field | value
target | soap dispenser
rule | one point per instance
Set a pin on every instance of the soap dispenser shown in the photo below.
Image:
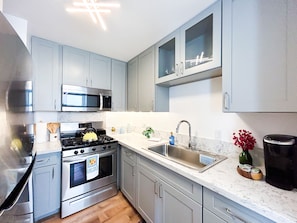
(171, 139)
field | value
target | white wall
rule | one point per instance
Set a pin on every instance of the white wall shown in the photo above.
(201, 104)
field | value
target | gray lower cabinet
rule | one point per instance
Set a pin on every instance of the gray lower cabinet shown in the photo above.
(159, 201)
(217, 208)
(128, 174)
(159, 194)
(46, 185)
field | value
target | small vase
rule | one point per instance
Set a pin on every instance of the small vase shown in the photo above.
(245, 157)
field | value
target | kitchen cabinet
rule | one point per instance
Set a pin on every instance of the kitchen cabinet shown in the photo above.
(132, 83)
(119, 85)
(100, 71)
(83, 68)
(163, 196)
(128, 174)
(46, 185)
(47, 75)
(259, 56)
(192, 52)
(143, 94)
(217, 208)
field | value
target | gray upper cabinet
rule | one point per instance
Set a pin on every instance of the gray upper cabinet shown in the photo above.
(259, 56)
(119, 85)
(132, 83)
(76, 66)
(47, 72)
(100, 71)
(143, 94)
(146, 80)
(193, 52)
(83, 68)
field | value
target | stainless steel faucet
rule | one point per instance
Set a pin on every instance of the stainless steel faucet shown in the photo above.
(177, 128)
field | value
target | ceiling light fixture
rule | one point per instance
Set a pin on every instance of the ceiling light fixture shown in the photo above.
(94, 9)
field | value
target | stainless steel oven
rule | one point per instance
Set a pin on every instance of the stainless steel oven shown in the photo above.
(89, 170)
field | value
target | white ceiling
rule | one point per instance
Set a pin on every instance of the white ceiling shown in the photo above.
(135, 26)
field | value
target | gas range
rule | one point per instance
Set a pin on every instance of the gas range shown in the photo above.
(89, 166)
(72, 139)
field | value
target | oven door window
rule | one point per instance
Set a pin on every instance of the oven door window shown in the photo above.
(78, 174)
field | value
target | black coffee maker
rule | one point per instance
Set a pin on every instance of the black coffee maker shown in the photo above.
(280, 153)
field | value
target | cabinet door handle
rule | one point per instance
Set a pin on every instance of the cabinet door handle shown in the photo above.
(161, 191)
(226, 101)
(53, 173)
(55, 104)
(234, 216)
(181, 68)
(156, 187)
(176, 70)
(133, 170)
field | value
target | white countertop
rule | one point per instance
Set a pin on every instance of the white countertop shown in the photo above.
(47, 147)
(276, 204)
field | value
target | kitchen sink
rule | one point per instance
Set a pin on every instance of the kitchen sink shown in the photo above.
(199, 160)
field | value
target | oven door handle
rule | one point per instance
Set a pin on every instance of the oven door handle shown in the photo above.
(82, 158)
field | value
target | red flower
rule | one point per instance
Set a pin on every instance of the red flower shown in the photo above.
(244, 140)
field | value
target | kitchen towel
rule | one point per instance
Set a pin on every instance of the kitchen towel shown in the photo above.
(92, 165)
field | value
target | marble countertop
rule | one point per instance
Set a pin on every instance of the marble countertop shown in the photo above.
(47, 147)
(276, 204)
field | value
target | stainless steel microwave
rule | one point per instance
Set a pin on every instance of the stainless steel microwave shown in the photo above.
(77, 98)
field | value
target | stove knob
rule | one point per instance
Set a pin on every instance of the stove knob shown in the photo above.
(94, 149)
(104, 147)
(82, 151)
(75, 152)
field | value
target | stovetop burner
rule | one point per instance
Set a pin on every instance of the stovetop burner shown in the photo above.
(77, 142)
(71, 135)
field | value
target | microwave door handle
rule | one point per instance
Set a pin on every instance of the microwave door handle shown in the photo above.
(101, 102)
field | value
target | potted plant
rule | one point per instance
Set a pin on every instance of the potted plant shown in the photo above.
(246, 142)
(147, 132)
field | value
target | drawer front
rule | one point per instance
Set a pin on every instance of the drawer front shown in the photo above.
(187, 187)
(229, 210)
(47, 159)
(127, 154)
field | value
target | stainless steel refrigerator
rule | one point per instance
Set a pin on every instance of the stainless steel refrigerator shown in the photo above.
(16, 127)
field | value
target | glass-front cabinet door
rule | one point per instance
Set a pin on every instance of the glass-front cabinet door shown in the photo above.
(167, 58)
(193, 48)
(201, 41)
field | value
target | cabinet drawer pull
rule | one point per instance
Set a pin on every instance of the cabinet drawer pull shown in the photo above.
(234, 216)
(156, 187)
(160, 191)
(43, 161)
(53, 173)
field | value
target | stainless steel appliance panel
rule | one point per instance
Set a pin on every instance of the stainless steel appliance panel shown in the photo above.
(78, 98)
(15, 117)
(70, 191)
